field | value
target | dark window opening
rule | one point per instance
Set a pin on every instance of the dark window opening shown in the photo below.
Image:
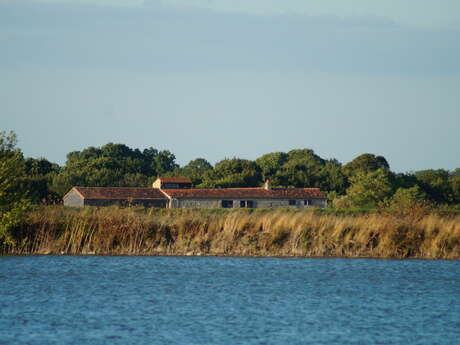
(247, 204)
(227, 203)
(170, 186)
(307, 202)
(292, 203)
(176, 185)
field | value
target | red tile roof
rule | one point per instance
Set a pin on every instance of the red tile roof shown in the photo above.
(120, 193)
(246, 193)
(175, 180)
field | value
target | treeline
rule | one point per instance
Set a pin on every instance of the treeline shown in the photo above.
(365, 182)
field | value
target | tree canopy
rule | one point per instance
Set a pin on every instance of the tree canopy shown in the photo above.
(113, 165)
(13, 196)
(233, 172)
(435, 183)
(365, 181)
(367, 190)
(365, 163)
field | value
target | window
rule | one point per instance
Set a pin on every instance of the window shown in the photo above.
(292, 203)
(247, 204)
(306, 202)
(227, 203)
(170, 186)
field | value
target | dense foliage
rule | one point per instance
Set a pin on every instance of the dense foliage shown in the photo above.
(112, 165)
(365, 182)
(13, 196)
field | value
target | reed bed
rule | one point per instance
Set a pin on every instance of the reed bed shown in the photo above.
(284, 233)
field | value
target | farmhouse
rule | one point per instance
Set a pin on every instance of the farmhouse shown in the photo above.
(106, 196)
(178, 193)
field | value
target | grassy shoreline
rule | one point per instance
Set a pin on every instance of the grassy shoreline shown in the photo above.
(243, 233)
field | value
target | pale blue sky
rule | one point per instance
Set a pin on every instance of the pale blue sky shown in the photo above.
(225, 78)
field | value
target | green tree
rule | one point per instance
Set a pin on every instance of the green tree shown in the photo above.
(112, 165)
(435, 183)
(302, 169)
(13, 198)
(408, 202)
(405, 197)
(40, 166)
(365, 163)
(455, 189)
(164, 162)
(367, 190)
(159, 162)
(405, 180)
(233, 172)
(455, 173)
(271, 165)
(196, 170)
(39, 174)
(332, 179)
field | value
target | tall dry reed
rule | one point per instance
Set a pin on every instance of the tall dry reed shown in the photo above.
(131, 231)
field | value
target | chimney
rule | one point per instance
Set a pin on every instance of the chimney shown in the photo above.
(267, 184)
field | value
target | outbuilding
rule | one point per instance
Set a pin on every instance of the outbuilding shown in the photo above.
(122, 196)
(178, 193)
(246, 198)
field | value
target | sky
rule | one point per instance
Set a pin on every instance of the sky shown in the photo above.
(222, 78)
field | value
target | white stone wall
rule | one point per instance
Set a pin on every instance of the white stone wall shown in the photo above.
(73, 199)
(275, 203)
(258, 203)
(322, 203)
(198, 203)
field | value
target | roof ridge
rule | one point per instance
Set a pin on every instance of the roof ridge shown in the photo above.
(117, 187)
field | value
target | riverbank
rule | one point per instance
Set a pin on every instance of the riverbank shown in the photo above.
(283, 233)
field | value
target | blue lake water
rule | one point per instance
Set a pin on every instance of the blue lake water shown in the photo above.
(198, 300)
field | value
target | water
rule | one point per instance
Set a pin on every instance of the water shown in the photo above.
(169, 300)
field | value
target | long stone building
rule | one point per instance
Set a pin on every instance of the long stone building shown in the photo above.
(178, 193)
(107, 196)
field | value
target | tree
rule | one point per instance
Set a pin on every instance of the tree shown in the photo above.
(164, 162)
(159, 162)
(112, 165)
(365, 163)
(408, 202)
(233, 172)
(367, 190)
(455, 189)
(196, 170)
(40, 166)
(302, 169)
(13, 199)
(271, 165)
(331, 178)
(405, 180)
(455, 173)
(405, 197)
(11, 169)
(435, 183)
(39, 174)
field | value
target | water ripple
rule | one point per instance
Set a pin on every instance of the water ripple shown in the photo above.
(158, 300)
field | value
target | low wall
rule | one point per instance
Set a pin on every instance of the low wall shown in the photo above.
(257, 203)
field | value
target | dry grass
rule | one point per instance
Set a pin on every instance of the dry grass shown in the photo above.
(112, 231)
